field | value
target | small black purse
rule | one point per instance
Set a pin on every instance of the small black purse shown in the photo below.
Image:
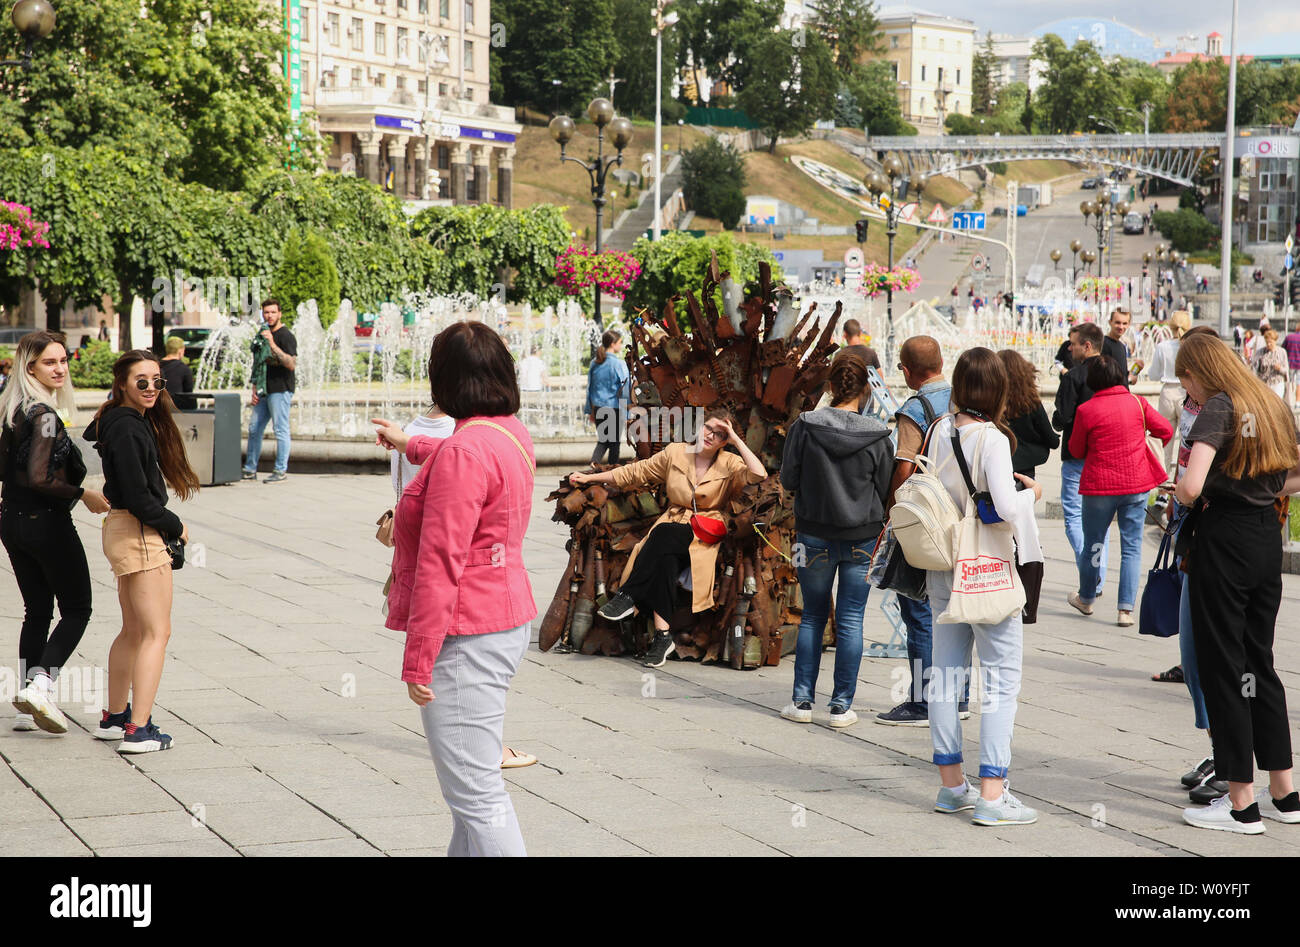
(176, 548)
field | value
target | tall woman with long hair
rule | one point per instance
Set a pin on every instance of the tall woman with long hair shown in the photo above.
(1026, 417)
(607, 391)
(979, 399)
(1243, 458)
(42, 472)
(143, 455)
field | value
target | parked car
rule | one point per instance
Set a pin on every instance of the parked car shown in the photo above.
(1133, 222)
(194, 337)
(11, 335)
(1089, 184)
(999, 211)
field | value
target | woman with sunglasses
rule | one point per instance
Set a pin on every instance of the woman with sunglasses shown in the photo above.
(699, 478)
(142, 453)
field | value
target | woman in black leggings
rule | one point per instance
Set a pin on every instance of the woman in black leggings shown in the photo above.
(42, 472)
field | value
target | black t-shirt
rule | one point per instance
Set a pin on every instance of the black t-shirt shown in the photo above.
(279, 378)
(179, 381)
(1116, 350)
(866, 352)
(1216, 426)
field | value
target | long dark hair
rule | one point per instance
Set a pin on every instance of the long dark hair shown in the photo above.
(979, 382)
(1022, 383)
(176, 469)
(609, 338)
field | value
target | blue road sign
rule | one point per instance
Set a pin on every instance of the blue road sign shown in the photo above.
(968, 220)
(1289, 262)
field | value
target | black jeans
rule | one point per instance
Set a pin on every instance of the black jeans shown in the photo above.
(1235, 588)
(609, 433)
(653, 582)
(49, 563)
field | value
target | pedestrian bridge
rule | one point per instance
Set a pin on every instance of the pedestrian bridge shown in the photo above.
(1172, 157)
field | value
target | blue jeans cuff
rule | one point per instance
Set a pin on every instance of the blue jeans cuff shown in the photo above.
(992, 772)
(947, 759)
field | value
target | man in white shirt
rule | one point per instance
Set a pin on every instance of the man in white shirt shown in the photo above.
(532, 372)
(1161, 369)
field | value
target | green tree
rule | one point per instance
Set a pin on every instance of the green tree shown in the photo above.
(876, 93)
(1198, 98)
(556, 39)
(635, 64)
(850, 29)
(794, 89)
(984, 66)
(1186, 229)
(1027, 114)
(307, 271)
(678, 262)
(1077, 83)
(721, 37)
(713, 181)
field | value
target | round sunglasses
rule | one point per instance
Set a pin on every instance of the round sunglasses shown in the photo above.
(159, 384)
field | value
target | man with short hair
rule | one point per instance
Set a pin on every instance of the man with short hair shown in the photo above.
(532, 373)
(1085, 344)
(281, 363)
(921, 362)
(853, 343)
(1113, 344)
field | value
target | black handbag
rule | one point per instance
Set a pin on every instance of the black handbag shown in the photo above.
(1158, 616)
(176, 548)
(889, 569)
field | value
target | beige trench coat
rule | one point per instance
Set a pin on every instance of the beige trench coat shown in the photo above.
(674, 467)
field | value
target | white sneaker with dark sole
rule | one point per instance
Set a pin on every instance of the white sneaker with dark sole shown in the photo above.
(1271, 810)
(1219, 815)
(146, 739)
(35, 701)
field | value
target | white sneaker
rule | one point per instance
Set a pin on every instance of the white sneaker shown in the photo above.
(33, 699)
(1269, 810)
(846, 719)
(1005, 811)
(1218, 815)
(24, 723)
(956, 800)
(794, 712)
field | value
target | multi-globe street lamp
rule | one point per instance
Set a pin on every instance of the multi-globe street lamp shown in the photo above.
(1056, 259)
(601, 113)
(1075, 247)
(1104, 209)
(889, 192)
(34, 19)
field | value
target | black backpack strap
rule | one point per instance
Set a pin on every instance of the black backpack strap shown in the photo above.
(961, 461)
(926, 409)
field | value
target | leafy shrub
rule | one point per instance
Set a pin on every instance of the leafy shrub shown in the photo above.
(95, 367)
(713, 181)
(1185, 229)
(678, 262)
(307, 271)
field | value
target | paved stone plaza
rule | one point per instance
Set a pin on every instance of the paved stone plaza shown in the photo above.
(294, 735)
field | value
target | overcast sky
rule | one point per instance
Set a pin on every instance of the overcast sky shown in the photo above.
(1263, 26)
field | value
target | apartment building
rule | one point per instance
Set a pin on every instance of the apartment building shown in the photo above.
(931, 57)
(402, 88)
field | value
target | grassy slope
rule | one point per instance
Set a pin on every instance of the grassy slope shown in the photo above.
(1036, 170)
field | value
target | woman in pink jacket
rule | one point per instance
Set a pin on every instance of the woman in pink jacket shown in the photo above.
(460, 590)
(1119, 471)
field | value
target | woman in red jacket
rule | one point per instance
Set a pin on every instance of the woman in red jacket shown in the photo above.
(1119, 471)
(460, 590)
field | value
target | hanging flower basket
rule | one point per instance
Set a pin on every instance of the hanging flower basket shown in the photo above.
(18, 229)
(877, 279)
(1107, 288)
(579, 268)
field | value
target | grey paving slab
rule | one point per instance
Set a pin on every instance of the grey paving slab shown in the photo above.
(295, 735)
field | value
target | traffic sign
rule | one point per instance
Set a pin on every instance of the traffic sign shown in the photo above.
(1288, 262)
(937, 216)
(853, 257)
(978, 263)
(968, 220)
(1290, 242)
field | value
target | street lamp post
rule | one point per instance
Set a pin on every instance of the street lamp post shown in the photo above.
(657, 31)
(601, 113)
(887, 192)
(34, 19)
(1056, 260)
(1075, 247)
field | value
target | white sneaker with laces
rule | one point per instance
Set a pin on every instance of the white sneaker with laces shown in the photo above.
(1005, 811)
(1218, 815)
(35, 699)
(798, 715)
(24, 723)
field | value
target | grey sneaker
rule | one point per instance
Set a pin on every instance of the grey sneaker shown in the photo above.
(1006, 811)
(276, 477)
(248, 475)
(955, 800)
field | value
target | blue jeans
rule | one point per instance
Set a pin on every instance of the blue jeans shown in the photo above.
(1187, 651)
(1072, 508)
(274, 408)
(824, 559)
(1129, 509)
(1001, 651)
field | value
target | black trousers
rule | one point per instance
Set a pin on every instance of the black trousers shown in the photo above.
(653, 582)
(49, 563)
(609, 434)
(1235, 588)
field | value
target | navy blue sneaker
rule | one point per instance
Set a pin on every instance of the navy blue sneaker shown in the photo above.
(906, 714)
(146, 739)
(112, 726)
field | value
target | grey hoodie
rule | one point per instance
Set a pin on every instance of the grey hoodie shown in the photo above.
(838, 464)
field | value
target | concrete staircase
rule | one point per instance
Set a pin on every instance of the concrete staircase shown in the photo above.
(634, 222)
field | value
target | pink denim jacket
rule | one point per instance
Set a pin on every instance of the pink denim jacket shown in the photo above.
(458, 565)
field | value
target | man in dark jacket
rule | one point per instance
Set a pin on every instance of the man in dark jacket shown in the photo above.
(1085, 343)
(1113, 344)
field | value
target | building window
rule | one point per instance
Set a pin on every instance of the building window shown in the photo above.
(923, 73)
(400, 83)
(381, 40)
(923, 42)
(469, 12)
(442, 88)
(422, 86)
(444, 186)
(332, 25)
(380, 80)
(920, 109)
(893, 71)
(401, 4)
(471, 183)
(444, 9)
(469, 57)
(941, 42)
(444, 157)
(940, 78)
(403, 43)
(423, 7)
(358, 33)
(422, 47)
(893, 42)
(305, 19)
(356, 77)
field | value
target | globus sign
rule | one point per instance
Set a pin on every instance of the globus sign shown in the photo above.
(1274, 146)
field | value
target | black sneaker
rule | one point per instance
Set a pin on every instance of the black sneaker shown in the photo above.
(1204, 770)
(112, 726)
(906, 714)
(618, 607)
(146, 739)
(248, 475)
(1208, 791)
(660, 648)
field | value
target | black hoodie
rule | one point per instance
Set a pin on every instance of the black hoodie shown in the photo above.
(132, 478)
(839, 464)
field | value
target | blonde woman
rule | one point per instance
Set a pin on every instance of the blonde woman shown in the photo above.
(42, 472)
(1243, 457)
(1270, 364)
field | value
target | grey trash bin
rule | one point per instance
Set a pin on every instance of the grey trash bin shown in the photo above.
(211, 432)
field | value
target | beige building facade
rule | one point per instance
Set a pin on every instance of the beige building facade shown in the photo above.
(402, 89)
(931, 57)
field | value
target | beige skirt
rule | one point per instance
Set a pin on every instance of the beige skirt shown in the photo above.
(130, 546)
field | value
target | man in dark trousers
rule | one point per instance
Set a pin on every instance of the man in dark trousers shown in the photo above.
(274, 406)
(1085, 344)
